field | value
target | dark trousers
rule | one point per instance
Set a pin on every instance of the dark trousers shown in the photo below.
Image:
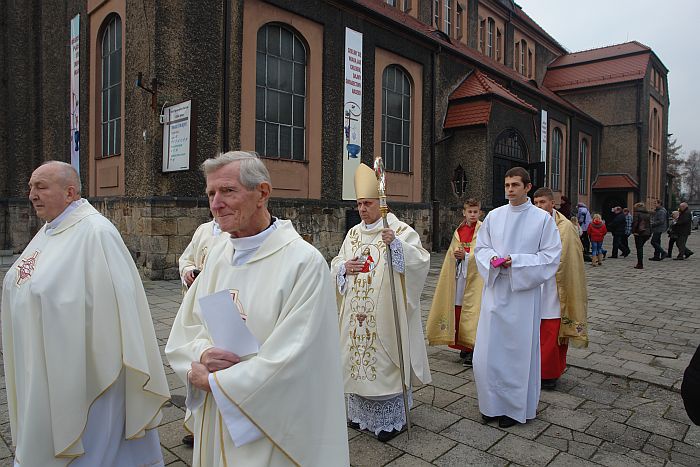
(586, 242)
(656, 243)
(671, 242)
(619, 243)
(683, 251)
(625, 241)
(639, 242)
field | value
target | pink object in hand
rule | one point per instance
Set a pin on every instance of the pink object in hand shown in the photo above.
(497, 262)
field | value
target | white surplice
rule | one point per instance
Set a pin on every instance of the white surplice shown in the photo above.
(85, 381)
(291, 392)
(507, 351)
(202, 242)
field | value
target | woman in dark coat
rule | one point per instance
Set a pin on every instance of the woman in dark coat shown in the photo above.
(565, 207)
(641, 229)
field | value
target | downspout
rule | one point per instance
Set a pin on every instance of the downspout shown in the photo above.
(433, 173)
(226, 63)
(640, 127)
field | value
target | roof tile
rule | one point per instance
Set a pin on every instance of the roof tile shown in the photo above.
(612, 181)
(468, 114)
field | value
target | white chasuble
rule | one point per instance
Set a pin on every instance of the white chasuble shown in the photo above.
(291, 390)
(203, 239)
(80, 352)
(368, 342)
(507, 351)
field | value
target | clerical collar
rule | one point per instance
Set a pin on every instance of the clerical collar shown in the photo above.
(245, 247)
(521, 207)
(373, 225)
(53, 225)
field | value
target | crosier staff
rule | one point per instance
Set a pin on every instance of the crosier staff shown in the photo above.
(384, 209)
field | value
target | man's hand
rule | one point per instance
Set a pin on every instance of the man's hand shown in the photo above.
(353, 266)
(199, 377)
(508, 262)
(459, 254)
(388, 236)
(188, 277)
(215, 359)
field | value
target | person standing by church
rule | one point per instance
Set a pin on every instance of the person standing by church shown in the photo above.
(454, 313)
(84, 377)
(284, 404)
(368, 342)
(564, 298)
(517, 251)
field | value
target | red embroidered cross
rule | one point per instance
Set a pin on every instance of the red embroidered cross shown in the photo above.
(26, 267)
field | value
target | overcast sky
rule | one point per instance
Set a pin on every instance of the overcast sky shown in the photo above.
(668, 27)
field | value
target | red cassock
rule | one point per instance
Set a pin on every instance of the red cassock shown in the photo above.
(553, 353)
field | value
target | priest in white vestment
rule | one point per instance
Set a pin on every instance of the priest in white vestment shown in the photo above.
(368, 341)
(191, 261)
(517, 250)
(84, 376)
(283, 405)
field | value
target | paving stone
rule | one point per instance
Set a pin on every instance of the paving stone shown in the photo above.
(367, 451)
(473, 434)
(424, 444)
(561, 399)
(445, 381)
(596, 394)
(466, 407)
(656, 451)
(576, 420)
(449, 367)
(432, 418)
(567, 460)
(657, 425)
(693, 436)
(630, 402)
(523, 451)
(582, 450)
(435, 396)
(530, 430)
(462, 455)
(660, 442)
(688, 449)
(647, 459)
(556, 443)
(468, 389)
(556, 431)
(408, 460)
(683, 459)
(184, 453)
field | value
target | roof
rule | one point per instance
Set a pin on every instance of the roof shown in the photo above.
(468, 114)
(608, 65)
(520, 13)
(614, 181)
(427, 31)
(480, 84)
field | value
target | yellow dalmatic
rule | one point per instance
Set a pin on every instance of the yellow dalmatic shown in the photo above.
(440, 328)
(571, 285)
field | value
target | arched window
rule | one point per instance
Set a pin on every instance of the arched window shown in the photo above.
(396, 119)
(583, 167)
(489, 38)
(510, 145)
(111, 79)
(557, 146)
(280, 94)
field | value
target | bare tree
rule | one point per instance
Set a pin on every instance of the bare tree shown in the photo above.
(691, 176)
(674, 167)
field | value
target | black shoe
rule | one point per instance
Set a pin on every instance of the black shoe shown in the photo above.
(688, 254)
(549, 384)
(654, 259)
(467, 363)
(385, 436)
(354, 425)
(663, 255)
(679, 258)
(604, 253)
(488, 419)
(188, 441)
(463, 354)
(506, 422)
(625, 255)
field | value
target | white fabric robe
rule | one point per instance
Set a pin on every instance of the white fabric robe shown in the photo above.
(368, 347)
(74, 318)
(203, 239)
(507, 352)
(292, 389)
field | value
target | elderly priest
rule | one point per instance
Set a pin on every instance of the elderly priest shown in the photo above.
(84, 376)
(281, 405)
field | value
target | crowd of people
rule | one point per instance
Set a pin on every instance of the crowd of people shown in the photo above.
(325, 347)
(639, 223)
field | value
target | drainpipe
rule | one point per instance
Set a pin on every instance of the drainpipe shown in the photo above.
(433, 173)
(225, 73)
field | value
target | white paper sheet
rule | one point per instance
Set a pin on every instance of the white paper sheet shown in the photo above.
(225, 325)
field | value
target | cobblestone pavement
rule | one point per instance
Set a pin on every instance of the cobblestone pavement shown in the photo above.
(617, 404)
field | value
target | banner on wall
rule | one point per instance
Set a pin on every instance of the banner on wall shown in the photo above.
(543, 138)
(75, 92)
(177, 132)
(352, 111)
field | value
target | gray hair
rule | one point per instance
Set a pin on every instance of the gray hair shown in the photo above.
(67, 174)
(252, 170)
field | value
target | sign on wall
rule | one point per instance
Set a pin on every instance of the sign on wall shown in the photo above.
(75, 92)
(177, 127)
(352, 111)
(543, 138)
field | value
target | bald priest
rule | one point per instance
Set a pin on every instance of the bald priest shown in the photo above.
(84, 376)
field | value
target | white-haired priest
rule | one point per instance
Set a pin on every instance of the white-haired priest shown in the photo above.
(280, 403)
(84, 376)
